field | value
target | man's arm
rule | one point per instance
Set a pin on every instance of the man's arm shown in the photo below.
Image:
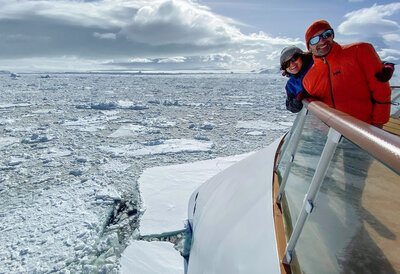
(380, 91)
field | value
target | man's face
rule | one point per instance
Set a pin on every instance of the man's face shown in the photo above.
(323, 47)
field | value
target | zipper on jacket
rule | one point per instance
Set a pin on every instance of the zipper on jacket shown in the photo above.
(330, 81)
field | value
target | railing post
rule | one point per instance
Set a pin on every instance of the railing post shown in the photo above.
(293, 129)
(308, 203)
(294, 140)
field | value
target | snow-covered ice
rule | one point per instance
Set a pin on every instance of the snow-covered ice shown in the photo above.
(166, 192)
(75, 145)
(128, 131)
(7, 141)
(151, 257)
(261, 124)
(160, 147)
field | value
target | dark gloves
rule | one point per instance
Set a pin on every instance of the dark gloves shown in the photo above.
(386, 73)
(293, 102)
(293, 105)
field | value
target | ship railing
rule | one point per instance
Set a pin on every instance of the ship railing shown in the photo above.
(395, 113)
(340, 193)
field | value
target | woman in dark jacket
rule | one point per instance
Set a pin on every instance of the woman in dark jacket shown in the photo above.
(295, 63)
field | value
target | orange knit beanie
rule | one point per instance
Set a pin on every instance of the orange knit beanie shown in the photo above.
(316, 27)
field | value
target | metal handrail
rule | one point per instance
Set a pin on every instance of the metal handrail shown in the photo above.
(379, 143)
(308, 203)
(394, 99)
(294, 138)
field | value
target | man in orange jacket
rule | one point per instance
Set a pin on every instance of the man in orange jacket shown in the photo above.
(344, 76)
(348, 78)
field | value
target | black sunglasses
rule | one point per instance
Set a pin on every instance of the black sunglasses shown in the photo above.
(293, 59)
(326, 34)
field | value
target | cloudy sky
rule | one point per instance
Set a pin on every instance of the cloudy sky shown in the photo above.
(131, 35)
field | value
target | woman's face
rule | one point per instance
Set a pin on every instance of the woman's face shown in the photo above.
(294, 66)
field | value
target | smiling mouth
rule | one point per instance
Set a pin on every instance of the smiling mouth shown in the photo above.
(323, 46)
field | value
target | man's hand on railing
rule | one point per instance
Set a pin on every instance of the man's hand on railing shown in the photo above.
(378, 125)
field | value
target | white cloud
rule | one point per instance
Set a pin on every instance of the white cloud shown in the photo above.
(274, 54)
(57, 64)
(179, 59)
(377, 25)
(392, 37)
(104, 14)
(142, 33)
(226, 58)
(141, 60)
(179, 22)
(371, 20)
(109, 35)
(390, 55)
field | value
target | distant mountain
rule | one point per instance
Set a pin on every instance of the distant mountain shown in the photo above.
(269, 71)
(4, 72)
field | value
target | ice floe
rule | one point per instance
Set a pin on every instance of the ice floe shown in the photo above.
(160, 147)
(166, 192)
(151, 257)
(263, 125)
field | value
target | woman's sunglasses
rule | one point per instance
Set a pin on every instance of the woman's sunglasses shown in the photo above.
(326, 34)
(293, 59)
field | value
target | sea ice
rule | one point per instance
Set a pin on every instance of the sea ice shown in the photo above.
(60, 187)
(151, 257)
(128, 131)
(166, 192)
(7, 141)
(161, 147)
(260, 124)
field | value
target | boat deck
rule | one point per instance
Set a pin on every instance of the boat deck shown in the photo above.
(393, 126)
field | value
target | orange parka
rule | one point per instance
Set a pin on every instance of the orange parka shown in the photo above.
(345, 80)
